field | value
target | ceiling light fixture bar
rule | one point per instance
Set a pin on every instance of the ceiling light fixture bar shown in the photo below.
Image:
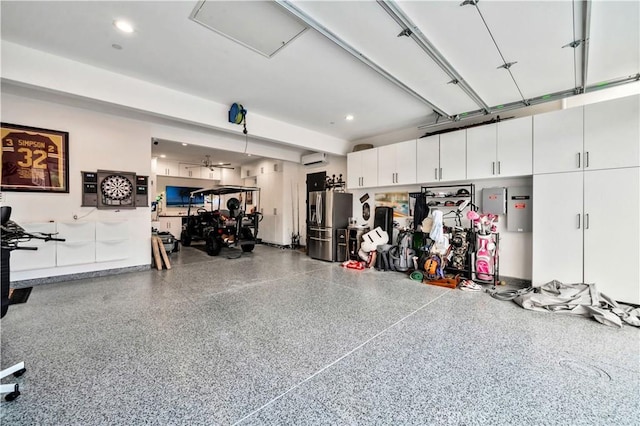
(356, 54)
(534, 101)
(409, 29)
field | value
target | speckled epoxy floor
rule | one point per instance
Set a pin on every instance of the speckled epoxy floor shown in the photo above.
(278, 338)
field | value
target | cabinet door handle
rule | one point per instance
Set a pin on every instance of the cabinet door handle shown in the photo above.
(441, 173)
(586, 221)
(493, 167)
(498, 167)
(578, 215)
(586, 159)
(578, 160)
(436, 170)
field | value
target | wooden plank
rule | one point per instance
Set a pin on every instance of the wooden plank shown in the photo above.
(163, 252)
(156, 252)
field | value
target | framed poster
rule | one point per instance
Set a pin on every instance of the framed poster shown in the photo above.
(34, 159)
(398, 200)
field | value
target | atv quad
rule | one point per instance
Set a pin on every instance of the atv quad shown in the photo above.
(222, 228)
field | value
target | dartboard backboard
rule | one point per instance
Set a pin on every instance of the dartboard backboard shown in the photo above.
(116, 190)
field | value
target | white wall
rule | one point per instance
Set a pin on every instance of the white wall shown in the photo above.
(96, 141)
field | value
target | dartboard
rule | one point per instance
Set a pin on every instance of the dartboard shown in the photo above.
(116, 187)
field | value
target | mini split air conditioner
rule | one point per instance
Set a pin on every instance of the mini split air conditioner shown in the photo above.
(314, 159)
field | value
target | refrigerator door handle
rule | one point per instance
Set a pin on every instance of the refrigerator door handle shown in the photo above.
(320, 239)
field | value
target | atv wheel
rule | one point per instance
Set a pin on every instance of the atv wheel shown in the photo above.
(247, 236)
(185, 239)
(213, 246)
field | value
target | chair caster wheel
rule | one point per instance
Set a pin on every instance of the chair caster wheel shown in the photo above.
(11, 396)
(19, 372)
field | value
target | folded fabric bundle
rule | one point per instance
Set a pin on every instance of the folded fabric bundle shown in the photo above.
(579, 299)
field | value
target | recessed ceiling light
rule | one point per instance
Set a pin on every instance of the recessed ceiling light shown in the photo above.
(185, 144)
(163, 156)
(349, 117)
(123, 26)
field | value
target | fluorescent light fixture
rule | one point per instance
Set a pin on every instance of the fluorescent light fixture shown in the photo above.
(123, 26)
(262, 26)
(349, 117)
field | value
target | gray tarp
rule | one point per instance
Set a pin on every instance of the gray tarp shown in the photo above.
(579, 299)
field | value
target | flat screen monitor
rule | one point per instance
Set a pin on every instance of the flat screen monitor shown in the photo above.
(178, 196)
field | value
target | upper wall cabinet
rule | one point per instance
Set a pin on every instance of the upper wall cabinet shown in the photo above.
(482, 143)
(515, 147)
(604, 135)
(362, 168)
(167, 168)
(441, 157)
(428, 156)
(612, 134)
(248, 171)
(453, 156)
(501, 149)
(190, 170)
(557, 141)
(215, 174)
(397, 164)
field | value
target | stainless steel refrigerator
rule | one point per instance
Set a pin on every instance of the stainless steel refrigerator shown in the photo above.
(328, 212)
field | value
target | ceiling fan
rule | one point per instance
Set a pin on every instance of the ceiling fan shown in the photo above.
(209, 164)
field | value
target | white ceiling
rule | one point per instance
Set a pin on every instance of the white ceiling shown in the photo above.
(314, 83)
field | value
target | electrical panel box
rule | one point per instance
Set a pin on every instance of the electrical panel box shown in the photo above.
(520, 209)
(494, 200)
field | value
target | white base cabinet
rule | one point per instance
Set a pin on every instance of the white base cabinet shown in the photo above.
(557, 228)
(587, 229)
(170, 224)
(612, 232)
